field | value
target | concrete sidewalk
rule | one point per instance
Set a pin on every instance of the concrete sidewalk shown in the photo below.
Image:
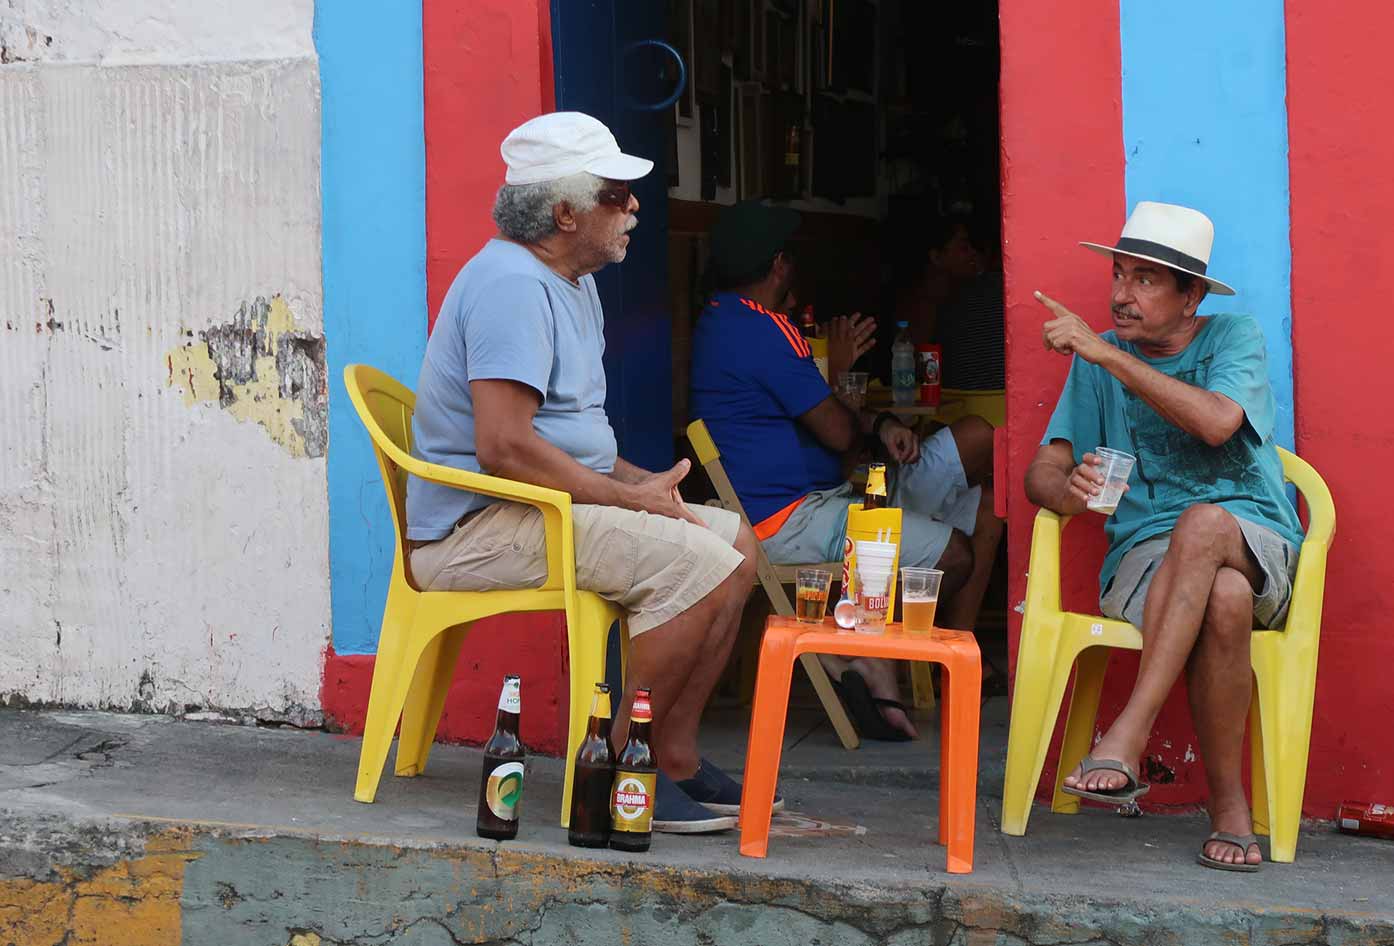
(127, 830)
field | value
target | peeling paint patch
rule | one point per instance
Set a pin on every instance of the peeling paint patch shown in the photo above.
(133, 902)
(258, 368)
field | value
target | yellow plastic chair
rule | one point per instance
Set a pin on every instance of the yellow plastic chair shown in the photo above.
(422, 631)
(1284, 661)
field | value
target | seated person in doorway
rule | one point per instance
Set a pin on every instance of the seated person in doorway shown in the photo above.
(512, 385)
(938, 258)
(1203, 546)
(787, 442)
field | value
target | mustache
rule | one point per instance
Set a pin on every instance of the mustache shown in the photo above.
(1125, 312)
(631, 223)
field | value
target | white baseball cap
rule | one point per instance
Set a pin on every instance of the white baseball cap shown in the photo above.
(559, 144)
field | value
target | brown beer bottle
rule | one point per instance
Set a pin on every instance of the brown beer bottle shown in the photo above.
(593, 777)
(501, 782)
(636, 772)
(875, 497)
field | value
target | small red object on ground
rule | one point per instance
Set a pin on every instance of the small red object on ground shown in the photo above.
(1361, 818)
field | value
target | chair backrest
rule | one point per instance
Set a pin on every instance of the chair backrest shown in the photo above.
(1321, 510)
(385, 406)
(710, 458)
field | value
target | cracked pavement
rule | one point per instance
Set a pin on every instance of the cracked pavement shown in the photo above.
(254, 834)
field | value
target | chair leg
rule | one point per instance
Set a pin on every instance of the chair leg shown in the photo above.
(766, 742)
(1258, 778)
(392, 672)
(426, 700)
(588, 632)
(1285, 698)
(1090, 668)
(1040, 684)
(946, 736)
(958, 775)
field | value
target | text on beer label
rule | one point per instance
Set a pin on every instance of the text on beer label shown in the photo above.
(641, 711)
(631, 803)
(510, 700)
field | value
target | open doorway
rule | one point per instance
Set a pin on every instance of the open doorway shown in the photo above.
(878, 121)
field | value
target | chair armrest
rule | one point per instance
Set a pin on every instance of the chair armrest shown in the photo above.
(1043, 574)
(554, 504)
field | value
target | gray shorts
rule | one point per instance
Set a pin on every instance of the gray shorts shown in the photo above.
(933, 493)
(1126, 595)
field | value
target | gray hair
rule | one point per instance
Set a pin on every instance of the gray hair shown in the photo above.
(523, 212)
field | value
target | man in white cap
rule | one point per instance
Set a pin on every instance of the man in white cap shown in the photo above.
(513, 385)
(1203, 545)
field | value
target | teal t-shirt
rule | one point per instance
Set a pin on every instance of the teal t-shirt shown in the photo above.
(1175, 470)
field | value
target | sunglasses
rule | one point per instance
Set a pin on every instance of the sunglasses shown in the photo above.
(614, 194)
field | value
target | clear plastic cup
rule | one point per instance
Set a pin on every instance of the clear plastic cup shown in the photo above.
(873, 603)
(919, 598)
(851, 389)
(812, 591)
(1116, 468)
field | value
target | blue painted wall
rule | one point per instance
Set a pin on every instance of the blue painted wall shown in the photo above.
(373, 175)
(1205, 125)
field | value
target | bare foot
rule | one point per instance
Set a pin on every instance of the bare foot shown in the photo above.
(880, 680)
(1232, 819)
(1104, 780)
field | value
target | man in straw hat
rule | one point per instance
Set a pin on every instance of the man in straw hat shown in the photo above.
(513, 385)
(1203, 545)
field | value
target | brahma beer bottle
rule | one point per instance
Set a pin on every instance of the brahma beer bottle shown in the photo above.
(636, 771)
(875, 497)
(593, 777)
(501, 782)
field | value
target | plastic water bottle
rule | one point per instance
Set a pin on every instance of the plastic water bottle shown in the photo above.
(904, 384)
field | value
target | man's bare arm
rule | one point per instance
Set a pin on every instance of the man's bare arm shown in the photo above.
(508, 446)
(836, 425)
(1205, 415)
(627, 472)
(1055, 482)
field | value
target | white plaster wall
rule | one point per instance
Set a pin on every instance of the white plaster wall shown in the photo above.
(156, 550)
(165, 31)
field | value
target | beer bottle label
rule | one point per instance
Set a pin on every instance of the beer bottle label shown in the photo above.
(876, 480)
(504, 789)
(600, 704)
(631, 805)
(641, 711)
(509, 698)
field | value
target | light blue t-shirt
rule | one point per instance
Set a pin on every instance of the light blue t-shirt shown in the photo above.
(1175, 470)
(508, 316)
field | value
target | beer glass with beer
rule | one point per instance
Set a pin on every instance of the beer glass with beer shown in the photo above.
(919, 591)
(812, 601)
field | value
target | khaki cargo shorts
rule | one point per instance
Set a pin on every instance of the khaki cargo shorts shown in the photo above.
(652, 566)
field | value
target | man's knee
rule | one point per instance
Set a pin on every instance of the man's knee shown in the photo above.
(1229, 611)
(748, 545)
(956, 563)
(1200, 530)
(973, 435)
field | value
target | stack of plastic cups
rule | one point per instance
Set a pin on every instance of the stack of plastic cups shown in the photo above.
(875, 560)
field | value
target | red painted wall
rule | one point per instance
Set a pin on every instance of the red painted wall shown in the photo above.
(1340, 155)
(488, 68)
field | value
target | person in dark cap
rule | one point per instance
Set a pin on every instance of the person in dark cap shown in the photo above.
(786, 440)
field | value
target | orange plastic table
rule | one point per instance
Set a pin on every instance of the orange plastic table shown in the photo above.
(960, 689)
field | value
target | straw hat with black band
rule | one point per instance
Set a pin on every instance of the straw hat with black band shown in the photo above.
(1174, 236)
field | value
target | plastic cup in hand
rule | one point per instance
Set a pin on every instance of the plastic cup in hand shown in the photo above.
(873, 580)
(851, 389)
(919, 596)
(812, 600)
(1116, 467)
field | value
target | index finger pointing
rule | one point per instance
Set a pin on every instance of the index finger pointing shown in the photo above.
(1050, 303)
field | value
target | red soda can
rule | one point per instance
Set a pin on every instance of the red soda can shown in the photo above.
(1360, 818)
(929, 361)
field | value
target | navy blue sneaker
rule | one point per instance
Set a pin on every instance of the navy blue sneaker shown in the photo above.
(674, 812)
(718, 791)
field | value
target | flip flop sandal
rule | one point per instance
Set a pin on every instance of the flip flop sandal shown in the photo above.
(862, 707)
(1241, 841)
(1130, 792)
